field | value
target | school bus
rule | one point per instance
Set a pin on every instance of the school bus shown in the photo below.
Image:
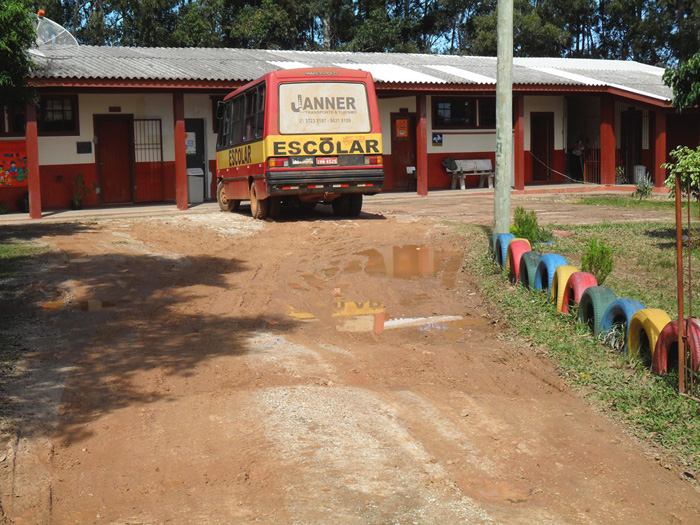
(300, 137)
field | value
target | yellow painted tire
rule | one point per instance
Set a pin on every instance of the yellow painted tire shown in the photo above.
(644, 329)
(561, 277)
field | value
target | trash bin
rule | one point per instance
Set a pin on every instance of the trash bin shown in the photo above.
(195, 185)
(640, 172)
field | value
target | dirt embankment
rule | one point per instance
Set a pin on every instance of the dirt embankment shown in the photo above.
(210, 368)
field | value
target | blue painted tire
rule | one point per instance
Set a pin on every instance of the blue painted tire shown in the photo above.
(545, 270)
(528, 268)
(620, 311)
(501, 249)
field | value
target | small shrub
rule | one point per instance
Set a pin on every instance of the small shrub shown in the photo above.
(598, 260)
(525, 227)
(3, 208)
(644, 188)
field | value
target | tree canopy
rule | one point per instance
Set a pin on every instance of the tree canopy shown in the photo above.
(685, 81)
(16, 36)
(658, 32)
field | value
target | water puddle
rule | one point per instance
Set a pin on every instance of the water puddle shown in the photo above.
(93, 305)
(498, 492)
(411, 262)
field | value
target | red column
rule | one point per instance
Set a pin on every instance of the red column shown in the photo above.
(607, 140)
(659, 147)
(519, 142)
(33, 178)
(422, 147)
(181, 195)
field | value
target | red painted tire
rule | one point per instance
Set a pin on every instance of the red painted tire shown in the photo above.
(516, 249)
(666, 350)
(561, 277)
(575, 286)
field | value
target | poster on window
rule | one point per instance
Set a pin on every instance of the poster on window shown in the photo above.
(13, 163)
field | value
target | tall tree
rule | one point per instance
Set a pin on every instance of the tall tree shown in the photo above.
(17, 35)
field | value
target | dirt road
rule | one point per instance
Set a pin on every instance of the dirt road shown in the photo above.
(209, 368)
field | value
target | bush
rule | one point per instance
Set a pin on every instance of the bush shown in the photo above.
(525, 227)
(644, 188)
(598, 260)
(3, 208)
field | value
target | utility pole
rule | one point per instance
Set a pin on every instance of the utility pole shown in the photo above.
(504, 117)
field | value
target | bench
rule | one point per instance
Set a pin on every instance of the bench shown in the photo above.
(468, 167)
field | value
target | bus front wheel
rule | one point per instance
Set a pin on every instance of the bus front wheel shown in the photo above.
(258, 207)
(225, 204)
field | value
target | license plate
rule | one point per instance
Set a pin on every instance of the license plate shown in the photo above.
(326, 161)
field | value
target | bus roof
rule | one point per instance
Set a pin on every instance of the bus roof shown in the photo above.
(310, 74)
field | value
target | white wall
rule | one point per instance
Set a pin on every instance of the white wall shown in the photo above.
(556, 105)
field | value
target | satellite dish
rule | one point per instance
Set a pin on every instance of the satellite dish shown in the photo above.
(50, 33)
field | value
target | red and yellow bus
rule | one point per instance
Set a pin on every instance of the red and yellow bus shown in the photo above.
(300, 136)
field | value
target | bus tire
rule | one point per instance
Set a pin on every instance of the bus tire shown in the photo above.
(225, 204)
(545, 270)
(528, 268)
(620, 311)
(594, 302)
(341, 206)
(666, 350)
(578, 283)
(274, 207)
(258, 207)
(645, 327)
(355, 204)
(558, 288)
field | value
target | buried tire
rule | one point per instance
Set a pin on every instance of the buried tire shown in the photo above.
(594, 303)
(516, 249)
(558, 288)
(666, 352)
(620, 312)
(225, 204)
(528, 268)
(645, 327)
(578, 283)
(545, 270)
(500, 250)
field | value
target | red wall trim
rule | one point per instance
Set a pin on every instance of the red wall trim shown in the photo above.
(33, 172)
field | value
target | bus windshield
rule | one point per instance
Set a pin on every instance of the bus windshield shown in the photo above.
(323, 107)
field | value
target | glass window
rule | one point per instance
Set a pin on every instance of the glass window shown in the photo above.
(487, 112)
(464, 112)
(58, 115)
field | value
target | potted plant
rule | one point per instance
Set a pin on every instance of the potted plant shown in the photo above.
(79, 188)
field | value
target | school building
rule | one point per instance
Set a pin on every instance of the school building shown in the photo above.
(139, 124)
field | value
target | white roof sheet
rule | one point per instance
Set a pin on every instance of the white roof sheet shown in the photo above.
(464, 74)
(393, 73)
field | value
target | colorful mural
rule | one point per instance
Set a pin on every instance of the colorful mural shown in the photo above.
(13, 163)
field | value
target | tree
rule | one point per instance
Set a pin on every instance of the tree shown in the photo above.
(17, 35)
(685, 81)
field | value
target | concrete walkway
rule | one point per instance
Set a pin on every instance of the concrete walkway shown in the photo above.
(149, 210)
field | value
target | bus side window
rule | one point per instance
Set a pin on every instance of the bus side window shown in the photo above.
(250, 112)
(260, 116)
(237, 121)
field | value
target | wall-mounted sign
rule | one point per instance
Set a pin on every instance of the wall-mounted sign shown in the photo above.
(191, 143)
(437, 139)
(13, 163)
(401, 127)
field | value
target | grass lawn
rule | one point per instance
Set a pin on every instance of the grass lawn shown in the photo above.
(644, 270)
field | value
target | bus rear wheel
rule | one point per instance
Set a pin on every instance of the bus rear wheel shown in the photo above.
(355, 204)
(225, 204)
(258, 207)
(341, 206)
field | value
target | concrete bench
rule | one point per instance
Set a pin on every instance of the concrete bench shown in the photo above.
(468, 167)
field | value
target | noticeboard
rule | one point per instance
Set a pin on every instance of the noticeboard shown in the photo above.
(13, 163)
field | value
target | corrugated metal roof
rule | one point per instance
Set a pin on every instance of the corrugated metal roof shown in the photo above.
(216, 64)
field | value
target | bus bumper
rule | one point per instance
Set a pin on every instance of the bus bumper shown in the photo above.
(365, 181)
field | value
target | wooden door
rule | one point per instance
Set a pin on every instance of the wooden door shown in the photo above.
(115, 158)
(403, 150)
(631, 138)
(542, 145)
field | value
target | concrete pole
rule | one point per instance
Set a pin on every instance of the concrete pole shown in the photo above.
(504, 118)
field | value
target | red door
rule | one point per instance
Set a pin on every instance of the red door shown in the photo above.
(542, 145)
(114, 158)
(403, 150)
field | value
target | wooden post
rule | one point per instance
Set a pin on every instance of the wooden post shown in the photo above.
(181, 195)
(607, 141)
(519, 145)
(658, 172)
(33, 175)
(422, 147)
